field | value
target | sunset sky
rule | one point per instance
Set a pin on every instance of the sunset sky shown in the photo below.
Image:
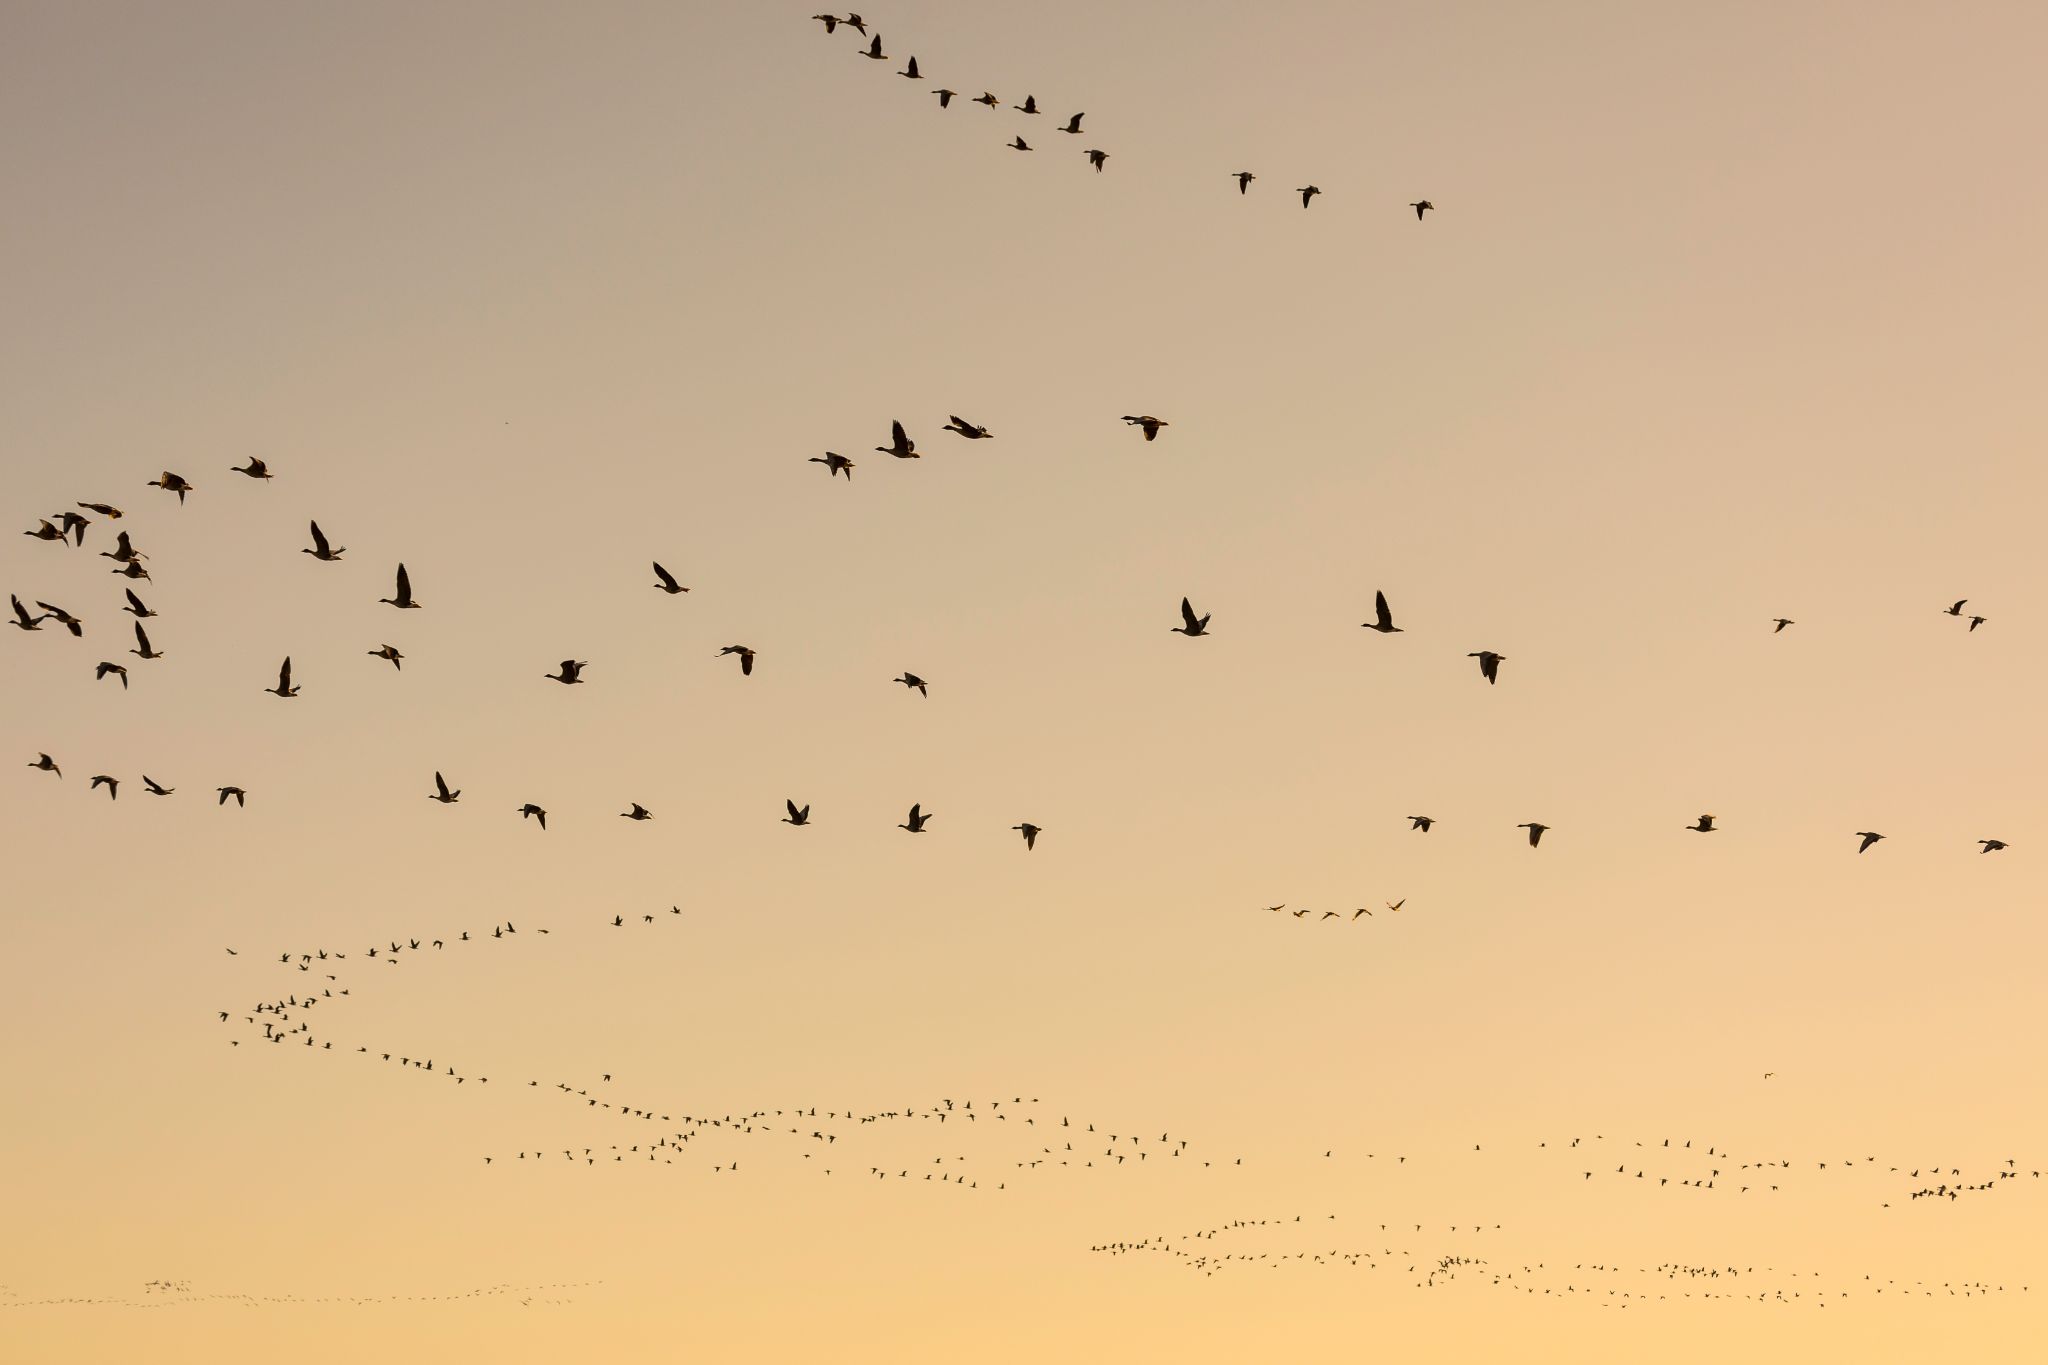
(1725, 313)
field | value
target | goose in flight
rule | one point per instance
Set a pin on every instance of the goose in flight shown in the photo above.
(1976, 621)
(143, 648)
(104, 669)
(830, 21)
(389, 653)
(1298, 913)
(1535, 832)
(529, 811)
(404, 598)
(900, 445)
(639, 812)
(1243, 179)
(572, 672)
(798, 815)
(74, 524)
(1957, 609)
(1332, 914)
(133, 569)
(1383, 621)
(135, 605)
(154, 787)
(112, 784)
(1029, 106)
(1018, 144)
(109, 512)
(284, 686)
(945, 97)
(874, 50)
(1096, 157)
(320, 548)
(441, 792)
(255, 469)
(1421, 822)
(1992, 845)
(834, 464)
(1191, 625)
(1396, 905)
(241, 797)
(1705, 825)
(172, 483)
(1421, 206)
(1868, 837)
(22, 620)
(856, 23)
(963, 427)
(1778, 623)
(668, 582)
(910, 679)
(47, 530)
(746, 658)
(45, 764)
(1307, 192)
(916, 823)
(1074, 124)
(1489, 664)
(123, 552)
(1361, 910)
(990, 100)
(1150, 424)
(62, 618)
(1030, 833)
(910, 71)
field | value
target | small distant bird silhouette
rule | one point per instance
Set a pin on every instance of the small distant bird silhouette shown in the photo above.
(1029, 106)
(112, 784)
(912, 680)
(1421, 822)
(284, 686)
(172, 483)
(798, 815)
(1705, 825)
(1243, 179)
(442, 793)
(1030, 833)
(834, 464)
(46, 530)
(1992, 845)
(1096, 157)
(74, 524)
(668, 582)
(44, 763)
(133, 569)
(639, 812)
(1976, 621)
(1868, 839)
(255, 469)
(572, 672)
(963, 427)
(1384, 619)
(1299, 913)
(155, 788)
(746, 658)
(1191, 625)
(320, 549)
(830, 21)
(529, 811)
(1396, 905)
(123, 552)
(110, 513)
(1778, 623)
(900, 445)
(388, 653)
(135, 605)
(916, 823)
(22, 620)
(1489, 664)
(1307, 192)
(1535, 832)
(402, 597)
(1150, 425)
(1361, 910)
(241, 797)
(1074, 124)
(100, 673)
(1421, 206)
(910, 71)
(990, 100)
(144, 650)
(61, 617)
(945, 97)
(874, 50)
(1957, 609)
(1018, 144)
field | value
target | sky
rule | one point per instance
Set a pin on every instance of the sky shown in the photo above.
(1723, 314)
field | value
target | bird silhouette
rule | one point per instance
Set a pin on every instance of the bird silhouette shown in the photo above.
(900, 445)
(1957, 609)
(441, 792)
(910, 71)
(320, 549)
(798, 815)
(1396, 905)
(1778, 623)
(1096, 157)
(1030, 833)
(1976, 621)
(100, 673)
(1535, 832)
(112, 784)
(111, 513)
(1868, 839)
(639, 812)
(990, 100)
(945, 97)
(44, 763)
(834, 464)
(1421, 206)
(1489, 664)
(143, 649)
(46, 530)
(1307, 192)
(52, 612)
(155, 788)
(284, 686)
(1421, 822)
(1150, 425)
(963, 427)
(913, 681)
(1243, 179)
(746, 658)
(667, 581)
(403, 597)
(255, 469)
(1074, 124)
(1383, 621)
(1705, 825)
(241, 797)
(572, 672)
(389, 654)
(1992, 845)
(874, 50)
(135, 606)
(22, 620)
(529, 811)
(172, 483)
(1191, 625)
(1018, 144)
(917, 821)
(123, 552)
(1029, 106)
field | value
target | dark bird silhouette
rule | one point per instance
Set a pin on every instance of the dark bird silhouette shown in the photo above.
(1976, 621)
(856, 23)
(910, 679)
(639, 812)
(1421, 206)
(22, 620)
(284, 686)
(1150, 425)
(1243, 179)
(390, 654)
(44, 763)
(1383, 621)
(945, 97)
(143, 649)
(104, 669)
(834, 464)
(1030, 833)
(255, 469)
(320, 549)
(830, 21)
(900, 445)
(910, 71)
(917, 821)
(135, 606)
(74, 525)
(963, 427)
(1778, 623)
(1396, 905)
(529, 811)
(990, 100)
(1074, 124)
(1332, 914)
(123, 552)
(133, 569)
(1535, 832)
(798, 815)
(1018, 144)
(1191, 625)
(109, 512)
(1421, 822)
(1029, 106)
(61, 617)
(46, 530)
(874, 50)
(1957, 609)
(403, 597)
(112, 784)
(1307, 192)
(1489, 664)
(1361, 910)
(1096, 157)
(441, 792)
(241, 797)
(1868, 838)
(746, 658)
(1992, 845)
(667, 582)
(1705, 825)
(572, 672)
(172, 483)
(155, 788)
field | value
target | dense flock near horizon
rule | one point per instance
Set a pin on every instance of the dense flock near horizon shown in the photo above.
(302, 995)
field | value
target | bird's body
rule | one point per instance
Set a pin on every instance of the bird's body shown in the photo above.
(746, 658)
(172, 483)
(1778, 623)
(834, 464)
(241, 797)
(111, 513)
(1074, 124)
(284, 686)
(1096, 156)
(572, 672)
(46, 530)
(123, 552)
(1992, 845)
(44, 763)
(1243, 179)
(388, 653)
(945, 97)
(667, 581)
(255, 469)
(143, 649)
(1018, 144)
(1421, 206)
(961, 426)
(1489, 664)
(910, 71)
(990, 100)
(1705, 825)
(529, 811)
(1030, 833)
(1535, 832)
(1191, 625)
(1149, 424)
(320, 549)
(1029, 106)
(900, 445)
(1957, 609)
(155, 788)
(74, 525)
(1421, 822)
(402, 597)
(798, 815)
(112, 784)
(133, 569)
(917, 821)
(22, 620)
(102, 670)
(1976, 621)
(1396, 905)
(135, 606)
(1383, 619)
(1307, 192)
(1868, 837)
(639, 812)
(874, 52)
(441, 792)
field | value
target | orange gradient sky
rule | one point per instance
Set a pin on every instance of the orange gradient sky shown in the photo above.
(1726, 313)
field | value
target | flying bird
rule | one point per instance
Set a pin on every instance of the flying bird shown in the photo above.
(1361, 910)
(73, 524)
(135, 605)
(104, 669)
(668, 582)
(910, 679)
(22, 620)
(1778, 623)
(990, 100)
(963, 427)
(1151, 425)
(1396, 905)
(44, 763)
(1307, 192)
(1383, 621)
(112, 784)
(62, 618)
(529, 811)
(834, 464)
(1489, 664)
(1030, 833)
(1992, 845)
(916, 823)
(639, 812)
(874, 50)
(572, 672)
(1976, 621)
(1421, 206)
(172, 483)
(1535, 832)
(1074, 124)
(143, 648)
(910, 71)
(255, 469)
(1018, 144)
(1868, 839)
(441, 792)
(1096, 157)
(1421, 822)
(1705, 825)
(388, 653)
(403, 597)
(945, 97)
(1191, 625)
(47, 530)
(155, 788)
(241, 797)
(123, 552)
(1029, 106)
(133, 569)
(746, 658)
(797, 815)
(284, 686)
(1957, 609)
(110, 513)
(856, 23)
(1243, 179)
(320, 549)
(901, 446)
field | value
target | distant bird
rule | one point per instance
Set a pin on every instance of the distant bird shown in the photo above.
(441, 792)
(797, 815)
(1957, 609)
(133, 569)
(963, 427)
(874, 50)
(1243, 179)
(255, 469)
(1421, 822)
(46, 530)
(1307, 192)
(172, 483)
(389, 654)
(123, 552)
(910, 71)
(529, 811)
(1361, 910)
(104, 669)
(1535, 832)
(143, 648)
(62, 618)
(44, 763)
(110, 513)
(834, 464)
(1421, 206)
(746, 658)
(1018, 144)
(1332, 914)
(1029, 106)
(1705, 825)
(1868, 839)
(1191, 625)
(1992, 845)
(403, 597)
(112, 784)
(1489, 664)
(74, 524)
(900, 445)
(916, 823)
(945, 97)
(22, 620)
(1384, 619)
(1299, 913)
(1096, 157)
(241, 797)
(856, 23)
(830, 21)
(668, 582)
(572, 672)
(1976, 621)
(1396, 905)
(990, 100)
(1030, 833)
(135, 605)
(284, 686)
(155, 788)
(320, 548)
(1778, 623)
(1151, 425)
(639, 812)
(910, 679)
